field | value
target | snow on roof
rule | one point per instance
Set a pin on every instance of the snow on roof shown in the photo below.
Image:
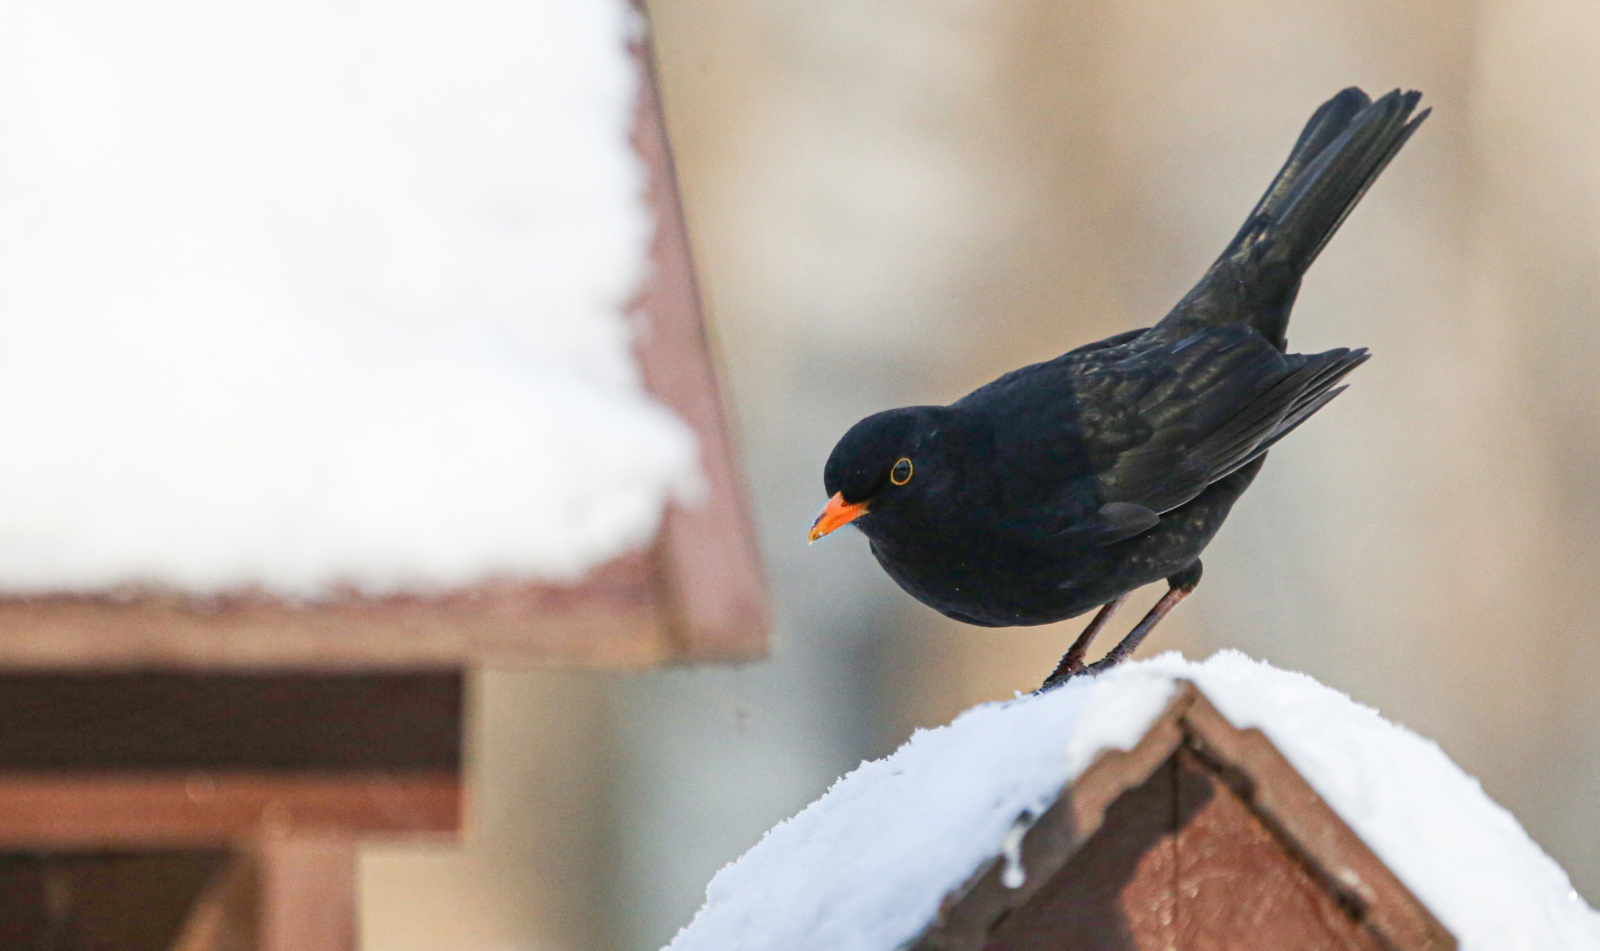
(864, 867)
(321, 292)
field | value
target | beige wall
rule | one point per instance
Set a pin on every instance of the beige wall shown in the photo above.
(895, 201)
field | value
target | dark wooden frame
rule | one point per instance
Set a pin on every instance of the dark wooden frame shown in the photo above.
(697, 594)
(269, 779)
(1192, 734)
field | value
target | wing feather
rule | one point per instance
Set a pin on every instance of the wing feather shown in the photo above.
(1216, 413)
(1103, 440)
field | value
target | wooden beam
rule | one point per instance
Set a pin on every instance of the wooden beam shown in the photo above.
(154, 759)
(265, 722)
(612, 619)
(206, 809)
(968, 914)
(1238, 884)
(1182, 863)
(307, 899)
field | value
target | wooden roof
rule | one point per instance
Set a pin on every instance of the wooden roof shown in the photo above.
(696, 594)
(1144, 850)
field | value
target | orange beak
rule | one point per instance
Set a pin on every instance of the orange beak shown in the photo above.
(837, 514)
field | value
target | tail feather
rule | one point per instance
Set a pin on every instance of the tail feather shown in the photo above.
(1323, 195)
(1325, 125)
(1344, 148)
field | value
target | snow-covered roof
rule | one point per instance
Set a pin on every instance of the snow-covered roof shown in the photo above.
(864, 868)
(319, 292)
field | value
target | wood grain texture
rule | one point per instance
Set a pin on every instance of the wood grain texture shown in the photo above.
(711, 565)
(1181, 863)
(1238, 886)
(1286, 804)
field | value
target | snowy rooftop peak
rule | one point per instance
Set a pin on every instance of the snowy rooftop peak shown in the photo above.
(312, 293)
(865, 867)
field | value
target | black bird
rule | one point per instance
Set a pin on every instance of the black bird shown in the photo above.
(1062, 486)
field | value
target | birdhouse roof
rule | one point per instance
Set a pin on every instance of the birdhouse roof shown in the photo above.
(876, 862)
(306, 296)
(329, 338)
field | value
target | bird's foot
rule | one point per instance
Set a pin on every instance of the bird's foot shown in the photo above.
(1072, 661)
(1181, 586)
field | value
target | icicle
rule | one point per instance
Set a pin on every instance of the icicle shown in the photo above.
(1014, 875)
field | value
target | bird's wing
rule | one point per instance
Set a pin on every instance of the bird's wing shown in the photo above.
(1101, 441)
(1160, 426)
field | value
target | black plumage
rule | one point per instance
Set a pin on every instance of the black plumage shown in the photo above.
(1062, 486)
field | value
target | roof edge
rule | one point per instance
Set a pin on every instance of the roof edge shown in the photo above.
(1271, 788)
(1328, 848)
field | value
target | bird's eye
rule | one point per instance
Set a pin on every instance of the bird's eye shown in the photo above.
(901, 473)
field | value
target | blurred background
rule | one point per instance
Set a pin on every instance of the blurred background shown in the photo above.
(894, 202)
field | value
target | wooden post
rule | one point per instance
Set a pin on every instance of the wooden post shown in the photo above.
(307, 899)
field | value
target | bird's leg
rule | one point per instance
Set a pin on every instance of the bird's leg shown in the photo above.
(1182, 585)
(1072, 660)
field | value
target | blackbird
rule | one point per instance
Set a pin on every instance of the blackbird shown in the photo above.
(1064, 485)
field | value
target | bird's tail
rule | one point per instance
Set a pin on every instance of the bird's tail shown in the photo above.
(1343, 149)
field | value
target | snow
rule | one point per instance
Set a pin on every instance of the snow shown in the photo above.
(311, 294)
(865, 867)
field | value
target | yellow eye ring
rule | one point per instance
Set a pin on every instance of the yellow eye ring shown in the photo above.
(901, 473)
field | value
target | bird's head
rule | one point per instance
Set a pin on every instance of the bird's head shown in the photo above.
(886, 461)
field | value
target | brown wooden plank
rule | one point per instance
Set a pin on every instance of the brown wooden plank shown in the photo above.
(100, 722)
(203, 809)
(612, 619)
(710, 560)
